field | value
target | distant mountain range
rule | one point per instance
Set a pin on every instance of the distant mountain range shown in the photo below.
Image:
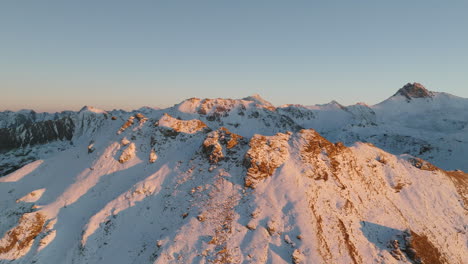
(238, 181)
(415, 121)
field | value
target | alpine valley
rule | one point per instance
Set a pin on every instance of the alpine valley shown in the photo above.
(238, 181)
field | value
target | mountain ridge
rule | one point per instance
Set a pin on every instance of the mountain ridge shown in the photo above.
(167, 189)
(384, 124)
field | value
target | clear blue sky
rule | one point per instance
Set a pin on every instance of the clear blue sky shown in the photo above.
(57, 55)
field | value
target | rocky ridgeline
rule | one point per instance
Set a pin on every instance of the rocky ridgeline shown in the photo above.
(35, 133)
(414, 90)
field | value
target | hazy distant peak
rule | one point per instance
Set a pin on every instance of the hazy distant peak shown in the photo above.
(414, 90)
(92, 109)
(333, 102)
(26, 111)
(257, 99)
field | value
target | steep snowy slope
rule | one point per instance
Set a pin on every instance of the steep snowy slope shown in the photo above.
(155, 188)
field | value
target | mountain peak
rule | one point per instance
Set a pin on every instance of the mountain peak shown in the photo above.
(257, 99)
(414, 90)
(92, 109)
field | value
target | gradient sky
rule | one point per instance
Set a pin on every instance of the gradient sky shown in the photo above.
(57, 55)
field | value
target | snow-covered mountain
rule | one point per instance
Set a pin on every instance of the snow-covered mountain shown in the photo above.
(238, 181)
(415, 121)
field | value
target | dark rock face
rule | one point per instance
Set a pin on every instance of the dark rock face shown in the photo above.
(33, 133)
(414, 90)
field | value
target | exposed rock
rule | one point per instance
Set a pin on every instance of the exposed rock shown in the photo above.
(251, 225)
(153, 157)
(213, 148)
(124, 142)
(91, 147)
(317, 153)
(181, 126)
(34, 133)
(128, 153)
(422, 164)
(414, 90)
(18, 240)
(420, 250)
(126, 125)
(141, 118)
(396, 251)
(201, 218)
(218, 142)
(297, 257)
(266, 153)
(272, 227)
(216, 107)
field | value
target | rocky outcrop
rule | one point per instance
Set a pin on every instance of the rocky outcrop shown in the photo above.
(181, 126)
(319, 155)
(141, 118)
(18, 240)
(218, 142)
(414, 90)
(153, 156)
(265, 155)
(128, 153)
(126, 125)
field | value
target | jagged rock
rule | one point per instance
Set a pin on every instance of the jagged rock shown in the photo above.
(272, 227)
(124, 142)
(34, 133)
(218, 142)
(181, 126)
(421, 250)
(139, 116)
(414, 90)
(126, 125)
(18, 240)
(91, 147)
(396, 251)
(128, 153)
(201, 218)
(297, 256)
(422, 164)
(316, 152)
(266, 153)
(153, 157)
(213, 148)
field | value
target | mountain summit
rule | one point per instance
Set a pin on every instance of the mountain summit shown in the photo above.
(414, 90)
(258, 100)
